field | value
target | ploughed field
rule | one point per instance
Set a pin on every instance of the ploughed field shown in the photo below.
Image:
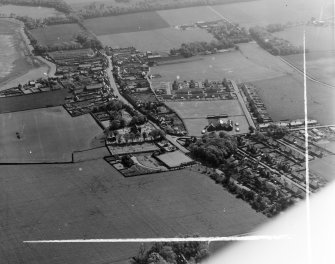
(92, 200)
(45, 135)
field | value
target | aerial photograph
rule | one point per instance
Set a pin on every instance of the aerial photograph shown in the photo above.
(158, 131)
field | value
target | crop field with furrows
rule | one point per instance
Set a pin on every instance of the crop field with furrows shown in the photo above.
(56, 34)
(91, 200)
(45, 135)
(155, 40)
(284, 99)
(319, 65)
(264, 12)
(235, 65)
(125, 23)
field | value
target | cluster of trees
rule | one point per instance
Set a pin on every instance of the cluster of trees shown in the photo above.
(88, 41)
(172, 253)
(230, 32)
(276, 46)
(276, 131)
(272, 28)
(59, 5)
(197, 47)
(214, 150)
(32, 23)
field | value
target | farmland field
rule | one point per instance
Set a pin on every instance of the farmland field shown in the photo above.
(92, 200)
(47, 135)
(125, 23)
(317, 38)
(30, 11)
(284, 99)
(319, 65)
(231, 65)
(263, 12)
(155, 40)
(56, 34)
(189, 15)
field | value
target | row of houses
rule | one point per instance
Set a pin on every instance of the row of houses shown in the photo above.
(256, 105)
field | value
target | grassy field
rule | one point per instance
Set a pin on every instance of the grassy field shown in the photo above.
(47, 135)
(188, 15)
(30, 11)
(194, 114)
(56, 34)
(204, 108)
(125, 23)
(263, 12)
(317, 38)
(319, 65)
(284, 99)
(231, 65)
(155, 40)
(92, 200)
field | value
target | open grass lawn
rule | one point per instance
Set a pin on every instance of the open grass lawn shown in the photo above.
(155, 40)
(284, 99)
(232, 65)
(47, 135)
(56, 34)
(92, 200)
(200, 109)
(264, 12)
(319, 65)
(125, 23)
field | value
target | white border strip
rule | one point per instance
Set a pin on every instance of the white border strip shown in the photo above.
(174, 239)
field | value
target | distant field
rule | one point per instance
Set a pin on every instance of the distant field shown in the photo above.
(56, 34)
(319, 65)
(30, 11)
(155, 40)
(188, 15)
(317, 38)
(92, 200)
(125, 23)
(47, 135)
(284, 98)
(263, 12)
(233, 65)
